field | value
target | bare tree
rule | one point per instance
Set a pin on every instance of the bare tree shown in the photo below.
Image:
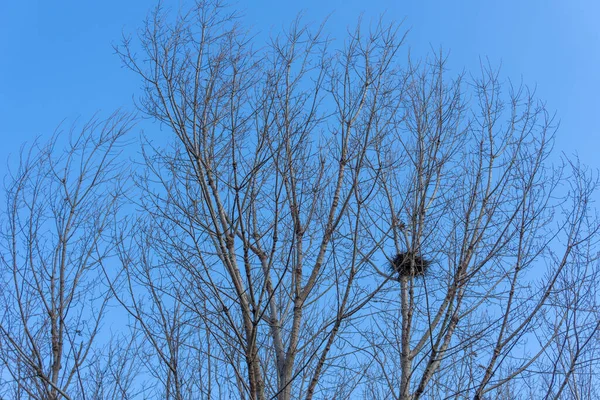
(300, 171)
(60, 208)
(327, 221)
(466, 183)
(253, 239)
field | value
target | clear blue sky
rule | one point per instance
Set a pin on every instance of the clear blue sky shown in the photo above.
(57, 62)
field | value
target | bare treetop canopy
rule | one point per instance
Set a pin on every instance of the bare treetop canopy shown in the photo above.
(333, 220)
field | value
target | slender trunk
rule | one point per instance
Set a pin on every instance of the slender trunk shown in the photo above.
(405, 360)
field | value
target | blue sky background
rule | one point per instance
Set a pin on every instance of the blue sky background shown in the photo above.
(57, 61)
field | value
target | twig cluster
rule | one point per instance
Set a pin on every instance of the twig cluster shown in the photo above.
(409, 264)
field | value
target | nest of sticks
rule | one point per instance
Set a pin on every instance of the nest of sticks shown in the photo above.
(409, 264)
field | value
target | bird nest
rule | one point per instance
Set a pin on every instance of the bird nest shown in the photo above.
(409, 264)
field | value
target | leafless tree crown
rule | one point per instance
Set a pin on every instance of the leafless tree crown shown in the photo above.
(330, 220)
